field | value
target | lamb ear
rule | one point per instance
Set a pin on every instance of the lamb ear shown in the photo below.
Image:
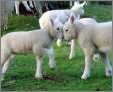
(76, 2)
(72, 19)
(52, 22)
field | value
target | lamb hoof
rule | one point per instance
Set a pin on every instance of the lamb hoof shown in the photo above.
(84, 77)
(71, 56)
(39, 77)
(52, 66)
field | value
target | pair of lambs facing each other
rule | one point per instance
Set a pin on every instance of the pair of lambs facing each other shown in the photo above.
(93, 38)
(60, 17)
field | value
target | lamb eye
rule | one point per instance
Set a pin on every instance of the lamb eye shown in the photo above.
(66, 30)
(58, 28)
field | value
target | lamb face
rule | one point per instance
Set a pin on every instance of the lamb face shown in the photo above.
(57, 29)
(70, 29)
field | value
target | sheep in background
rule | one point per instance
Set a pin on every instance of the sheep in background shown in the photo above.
(92, 37)
(60, 17)
(6, 10)
(37, 42)
(25, 7)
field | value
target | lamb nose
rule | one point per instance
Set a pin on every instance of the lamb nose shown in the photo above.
(62, 37)
(66, 30)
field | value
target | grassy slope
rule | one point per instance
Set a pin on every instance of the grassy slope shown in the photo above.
(20, 75)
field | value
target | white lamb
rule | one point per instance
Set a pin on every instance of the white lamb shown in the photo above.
(92, 37)
(60, 17)
(37, 42)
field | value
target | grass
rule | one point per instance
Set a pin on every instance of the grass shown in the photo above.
(102, 12)
(20, 75)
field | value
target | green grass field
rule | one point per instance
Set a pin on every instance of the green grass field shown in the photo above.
(20, 75)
